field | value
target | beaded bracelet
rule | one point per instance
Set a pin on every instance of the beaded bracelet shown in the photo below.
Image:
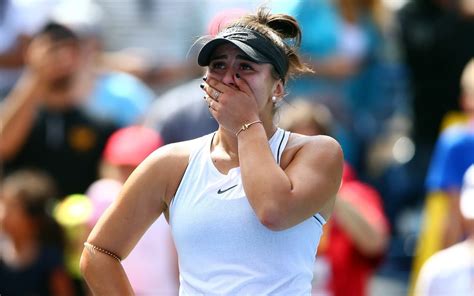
(103, 251)
(246, 126)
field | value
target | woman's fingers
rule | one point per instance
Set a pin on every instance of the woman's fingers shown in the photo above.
(243, 85)
(215, 94)
(211, 103)
(212, 85)
(212, 92)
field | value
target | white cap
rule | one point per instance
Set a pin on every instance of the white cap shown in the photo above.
(83, 17)
(467, 194)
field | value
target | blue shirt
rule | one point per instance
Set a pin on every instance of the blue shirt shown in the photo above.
(453, 154)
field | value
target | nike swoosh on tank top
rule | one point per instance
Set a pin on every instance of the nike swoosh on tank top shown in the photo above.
(222, 246)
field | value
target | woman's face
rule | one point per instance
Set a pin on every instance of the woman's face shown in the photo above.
(227, 60)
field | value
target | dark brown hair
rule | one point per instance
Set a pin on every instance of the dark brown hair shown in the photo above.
(283, 30)
(36, 191)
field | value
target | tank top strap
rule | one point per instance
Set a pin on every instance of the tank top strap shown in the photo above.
(278, 143)
(204, 143)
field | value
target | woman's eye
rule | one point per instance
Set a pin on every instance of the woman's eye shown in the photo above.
(245, 67)
(217, 65)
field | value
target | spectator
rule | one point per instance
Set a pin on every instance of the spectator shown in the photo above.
(107, 92)
(441, 31)
(43, 124)
(442, 225)
(31, 242)
(450, 271)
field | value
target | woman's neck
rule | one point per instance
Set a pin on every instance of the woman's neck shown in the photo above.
(224, 148)
(227, 141)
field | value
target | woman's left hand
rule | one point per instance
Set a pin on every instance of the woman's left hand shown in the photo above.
(231, 105)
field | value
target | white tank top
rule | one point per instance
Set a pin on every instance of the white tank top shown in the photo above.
(222, 246)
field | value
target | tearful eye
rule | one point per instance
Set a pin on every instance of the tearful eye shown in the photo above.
(217, 65)
(246, 67)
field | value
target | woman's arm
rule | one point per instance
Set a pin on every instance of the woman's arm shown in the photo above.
(144, 197)
(284, 198)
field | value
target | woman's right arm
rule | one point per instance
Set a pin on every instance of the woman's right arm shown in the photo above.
(144, 197)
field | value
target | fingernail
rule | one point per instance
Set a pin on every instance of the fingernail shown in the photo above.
(201, 85)
(237, 75)
(204, 78)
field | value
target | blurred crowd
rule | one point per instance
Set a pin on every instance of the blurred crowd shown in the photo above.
(88, 89)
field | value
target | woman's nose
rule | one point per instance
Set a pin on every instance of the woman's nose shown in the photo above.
(229, 77)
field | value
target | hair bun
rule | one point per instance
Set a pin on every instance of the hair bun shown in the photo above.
(284, 25)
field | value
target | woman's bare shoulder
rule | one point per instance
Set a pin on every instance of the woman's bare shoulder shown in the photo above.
(174, 153)
(170, 162)
(319, 156)
(322, 145)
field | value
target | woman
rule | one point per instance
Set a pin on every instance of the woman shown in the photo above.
(246, 204)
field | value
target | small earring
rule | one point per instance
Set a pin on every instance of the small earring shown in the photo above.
(274, 99)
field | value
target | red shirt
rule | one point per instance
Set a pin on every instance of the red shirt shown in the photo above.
(349, 270)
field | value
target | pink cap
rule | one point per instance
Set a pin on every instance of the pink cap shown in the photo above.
(224, 18)
(131, 145)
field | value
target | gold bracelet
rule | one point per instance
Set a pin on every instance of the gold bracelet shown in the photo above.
(246, 126)
(103, 251)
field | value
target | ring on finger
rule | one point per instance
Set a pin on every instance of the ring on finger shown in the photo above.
(216, 94)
